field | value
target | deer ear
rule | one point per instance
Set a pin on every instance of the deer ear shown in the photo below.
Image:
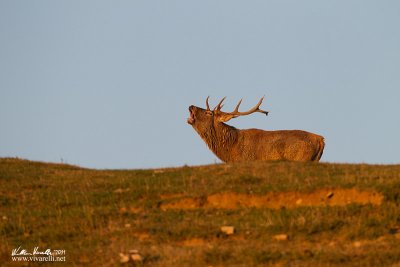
(225, 117)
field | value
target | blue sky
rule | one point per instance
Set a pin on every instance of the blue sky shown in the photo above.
(107, 84)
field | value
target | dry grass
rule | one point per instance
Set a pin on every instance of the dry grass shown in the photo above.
(94, 215)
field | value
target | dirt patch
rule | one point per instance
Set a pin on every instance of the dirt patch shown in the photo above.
(212, 240)
(323, 197)
(185, 203)
(142, 236)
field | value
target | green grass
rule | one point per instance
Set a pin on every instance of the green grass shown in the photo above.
(96, 214)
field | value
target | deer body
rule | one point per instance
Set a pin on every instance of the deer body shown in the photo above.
(231, 145)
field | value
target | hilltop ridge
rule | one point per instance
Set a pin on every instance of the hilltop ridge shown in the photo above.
(325, 214)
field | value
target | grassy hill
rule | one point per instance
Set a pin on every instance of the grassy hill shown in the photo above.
(282, 213)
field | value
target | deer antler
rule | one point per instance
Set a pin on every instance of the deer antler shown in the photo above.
(208, 106)
(219, 106)
(225, 116)
(256, 108)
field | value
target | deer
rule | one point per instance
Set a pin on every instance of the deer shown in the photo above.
(230, 144)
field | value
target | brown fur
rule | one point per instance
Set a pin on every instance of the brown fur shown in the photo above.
(231, 145)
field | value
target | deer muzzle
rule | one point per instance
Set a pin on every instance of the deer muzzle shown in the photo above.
(190, 120)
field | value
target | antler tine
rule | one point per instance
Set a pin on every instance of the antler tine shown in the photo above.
(237, 107)
(256, 108)
(208, 106)
(219, 106)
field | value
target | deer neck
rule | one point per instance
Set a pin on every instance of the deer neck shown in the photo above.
(221, 139)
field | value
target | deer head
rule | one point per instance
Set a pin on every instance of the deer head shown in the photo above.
(202, 119)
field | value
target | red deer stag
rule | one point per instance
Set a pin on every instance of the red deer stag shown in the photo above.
(230, 144)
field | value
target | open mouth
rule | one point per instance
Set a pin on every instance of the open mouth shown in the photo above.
(190, 120)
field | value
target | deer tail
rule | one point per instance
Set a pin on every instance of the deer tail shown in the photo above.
(321, 146)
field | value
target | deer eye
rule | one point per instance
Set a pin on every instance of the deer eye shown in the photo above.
(209, 112)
